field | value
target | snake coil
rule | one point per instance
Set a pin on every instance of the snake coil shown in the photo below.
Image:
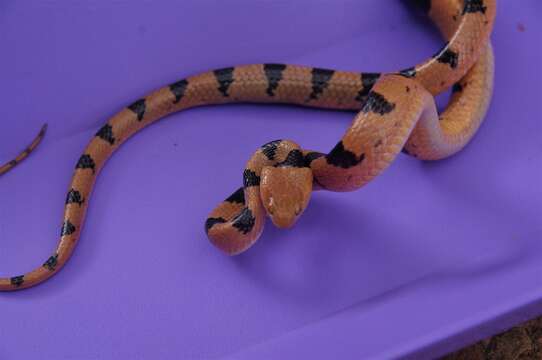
(395, 112)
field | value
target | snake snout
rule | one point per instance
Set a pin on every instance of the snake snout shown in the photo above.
(285, 193)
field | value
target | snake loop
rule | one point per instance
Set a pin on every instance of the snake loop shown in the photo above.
(395, 112)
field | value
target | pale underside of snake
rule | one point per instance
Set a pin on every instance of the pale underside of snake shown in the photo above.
(396, 112)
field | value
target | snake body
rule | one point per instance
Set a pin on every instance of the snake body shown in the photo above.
(395, 112)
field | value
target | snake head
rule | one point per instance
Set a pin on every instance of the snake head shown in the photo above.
(285, 193)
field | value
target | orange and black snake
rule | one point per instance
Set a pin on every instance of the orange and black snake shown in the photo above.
(396, 112)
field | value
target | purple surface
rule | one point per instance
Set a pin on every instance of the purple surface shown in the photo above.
(423, 260)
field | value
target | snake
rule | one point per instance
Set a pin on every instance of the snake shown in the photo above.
(395, 112)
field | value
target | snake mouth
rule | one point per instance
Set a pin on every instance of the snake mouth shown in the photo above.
(284, 222)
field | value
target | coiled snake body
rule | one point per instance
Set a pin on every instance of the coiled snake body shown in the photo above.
(395, 112)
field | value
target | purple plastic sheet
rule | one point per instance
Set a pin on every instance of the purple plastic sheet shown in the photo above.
(423, 260)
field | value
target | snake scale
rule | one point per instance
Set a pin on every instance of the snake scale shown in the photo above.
(395, 112)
